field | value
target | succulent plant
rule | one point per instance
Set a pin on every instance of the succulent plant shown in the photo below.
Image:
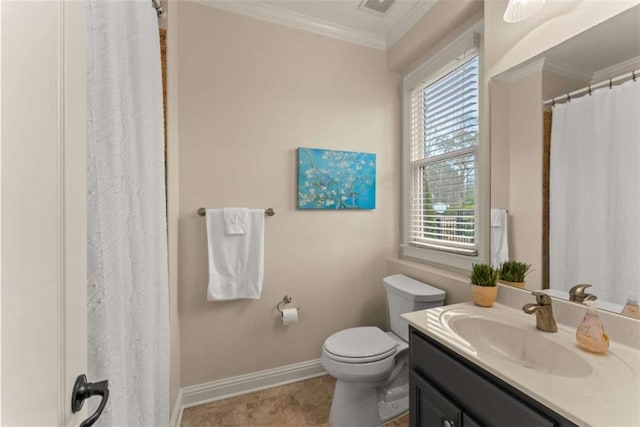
(484, 275)
(514, 271)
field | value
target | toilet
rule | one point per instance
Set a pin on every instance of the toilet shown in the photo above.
(370, 365)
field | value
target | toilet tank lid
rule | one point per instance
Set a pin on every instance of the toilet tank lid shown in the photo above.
(413, 289)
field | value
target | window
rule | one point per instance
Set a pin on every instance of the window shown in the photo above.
(441, 165)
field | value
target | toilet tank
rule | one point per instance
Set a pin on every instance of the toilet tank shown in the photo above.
(404, 295)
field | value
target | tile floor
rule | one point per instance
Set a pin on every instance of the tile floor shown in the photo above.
(305, 403)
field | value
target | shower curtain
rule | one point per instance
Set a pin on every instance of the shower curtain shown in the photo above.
(594, 234)
(128, 324)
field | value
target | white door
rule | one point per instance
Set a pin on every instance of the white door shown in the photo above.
(43, 210)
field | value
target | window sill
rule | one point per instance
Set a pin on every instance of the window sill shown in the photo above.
(441, 259)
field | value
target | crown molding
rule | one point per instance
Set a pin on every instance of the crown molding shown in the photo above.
(521, 72)
(280, 16)
(543, 64)
(567, 71)
(615, 70)
(408, 21)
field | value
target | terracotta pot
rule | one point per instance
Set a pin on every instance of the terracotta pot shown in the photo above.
(484, 296)
(520, 285)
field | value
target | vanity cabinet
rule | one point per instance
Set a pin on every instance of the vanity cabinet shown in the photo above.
(447, 390)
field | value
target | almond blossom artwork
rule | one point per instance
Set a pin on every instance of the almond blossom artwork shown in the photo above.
(329, 179)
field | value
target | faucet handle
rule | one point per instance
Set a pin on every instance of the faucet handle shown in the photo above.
(579, 290)
(542, 298)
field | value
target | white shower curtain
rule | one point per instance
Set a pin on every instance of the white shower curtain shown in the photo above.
(595, 193)
(128, 339)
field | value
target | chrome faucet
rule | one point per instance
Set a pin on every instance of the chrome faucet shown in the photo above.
(578, 294)
(544, 313)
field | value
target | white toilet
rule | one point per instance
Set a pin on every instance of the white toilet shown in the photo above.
(371, 366)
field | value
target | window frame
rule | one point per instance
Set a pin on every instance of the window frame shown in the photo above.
(437, 66)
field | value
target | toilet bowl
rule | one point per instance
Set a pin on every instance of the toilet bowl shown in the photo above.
(370, 365)
(364, 354)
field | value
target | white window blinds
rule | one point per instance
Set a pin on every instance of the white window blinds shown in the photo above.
(443, 154)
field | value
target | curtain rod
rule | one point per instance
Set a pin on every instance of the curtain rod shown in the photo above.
(157, 5)
(567, 97)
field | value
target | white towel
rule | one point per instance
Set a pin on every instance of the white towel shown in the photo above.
(496, 217)
(499, 237)
(236, 220)
(236, 261)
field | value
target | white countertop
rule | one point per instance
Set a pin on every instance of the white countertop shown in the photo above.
(608, 396)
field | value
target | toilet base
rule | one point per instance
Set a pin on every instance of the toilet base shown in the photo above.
(394, 404)
(365, 405)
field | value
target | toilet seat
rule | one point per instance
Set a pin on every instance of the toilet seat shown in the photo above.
(360, 345)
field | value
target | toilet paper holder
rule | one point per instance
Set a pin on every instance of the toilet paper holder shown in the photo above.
(285, 300)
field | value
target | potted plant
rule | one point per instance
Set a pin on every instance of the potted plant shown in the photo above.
(483, 284)
(513, 273)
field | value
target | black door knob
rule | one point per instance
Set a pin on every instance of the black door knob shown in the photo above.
(83, 390)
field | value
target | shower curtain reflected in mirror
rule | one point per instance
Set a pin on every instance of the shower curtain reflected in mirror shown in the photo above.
(595, 193)
(128, 323)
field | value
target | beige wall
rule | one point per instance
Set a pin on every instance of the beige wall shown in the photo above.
(516, 169)
(250, 93)
(516, 172)
(525, 175)
(500, 102)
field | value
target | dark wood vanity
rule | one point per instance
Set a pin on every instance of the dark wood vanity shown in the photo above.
(446, 390)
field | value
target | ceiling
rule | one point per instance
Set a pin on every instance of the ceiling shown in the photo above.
(612, 42)
(342, 19)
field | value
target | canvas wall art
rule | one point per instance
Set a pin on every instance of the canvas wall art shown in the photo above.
(330, 179)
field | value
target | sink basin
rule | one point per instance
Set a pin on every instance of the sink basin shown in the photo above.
(528, 348)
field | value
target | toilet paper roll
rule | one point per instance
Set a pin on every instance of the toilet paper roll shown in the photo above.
(289, 316)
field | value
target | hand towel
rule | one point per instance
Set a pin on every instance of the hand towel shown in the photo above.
(236, 261)
(496, 217)
(499, 237)
(236, 220)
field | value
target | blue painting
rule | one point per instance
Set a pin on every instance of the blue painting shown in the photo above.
(329, 179)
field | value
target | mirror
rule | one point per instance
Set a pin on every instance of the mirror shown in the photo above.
(522, 177)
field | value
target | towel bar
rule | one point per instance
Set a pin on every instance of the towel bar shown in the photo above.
(267, 212)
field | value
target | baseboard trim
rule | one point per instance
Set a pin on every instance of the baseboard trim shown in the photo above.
(242, 384)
